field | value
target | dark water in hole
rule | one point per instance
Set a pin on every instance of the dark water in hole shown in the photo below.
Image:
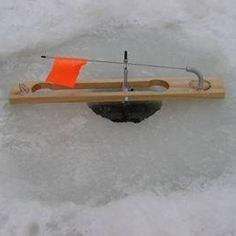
(126, 112)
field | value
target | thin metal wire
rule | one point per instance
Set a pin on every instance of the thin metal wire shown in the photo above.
(158, 66)
(109, 62)
(90, 60)
(130, 64)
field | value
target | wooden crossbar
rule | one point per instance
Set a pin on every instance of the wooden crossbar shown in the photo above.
(144, 89)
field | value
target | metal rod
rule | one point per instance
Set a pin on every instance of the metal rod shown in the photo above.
(125, 83)
(157, 66)
(128, 63)
(90, 60)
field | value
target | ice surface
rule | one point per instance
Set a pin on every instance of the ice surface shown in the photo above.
(66, 171)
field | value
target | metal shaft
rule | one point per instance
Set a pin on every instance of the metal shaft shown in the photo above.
(125, 83)
(128, 63)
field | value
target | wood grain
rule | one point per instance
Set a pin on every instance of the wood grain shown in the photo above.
(111, 90)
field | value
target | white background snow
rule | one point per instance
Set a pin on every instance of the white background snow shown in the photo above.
(66, 171)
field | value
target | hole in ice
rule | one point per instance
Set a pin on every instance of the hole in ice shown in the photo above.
(126, 112)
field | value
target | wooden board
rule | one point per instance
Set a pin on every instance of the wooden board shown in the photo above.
(111, 90)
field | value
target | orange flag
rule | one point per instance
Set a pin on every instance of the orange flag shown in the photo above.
(65, 71)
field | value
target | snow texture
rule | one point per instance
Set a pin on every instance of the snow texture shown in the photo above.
(66, 171)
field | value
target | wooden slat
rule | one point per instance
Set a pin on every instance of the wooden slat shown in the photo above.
(111, 90)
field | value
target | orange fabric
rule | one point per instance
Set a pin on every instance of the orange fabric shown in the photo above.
(65, 71)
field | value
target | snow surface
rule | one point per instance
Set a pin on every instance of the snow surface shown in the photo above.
(66, 171)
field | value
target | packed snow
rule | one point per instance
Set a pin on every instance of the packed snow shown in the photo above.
(66, 171)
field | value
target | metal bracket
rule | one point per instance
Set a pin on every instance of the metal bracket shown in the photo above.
(199, 75)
